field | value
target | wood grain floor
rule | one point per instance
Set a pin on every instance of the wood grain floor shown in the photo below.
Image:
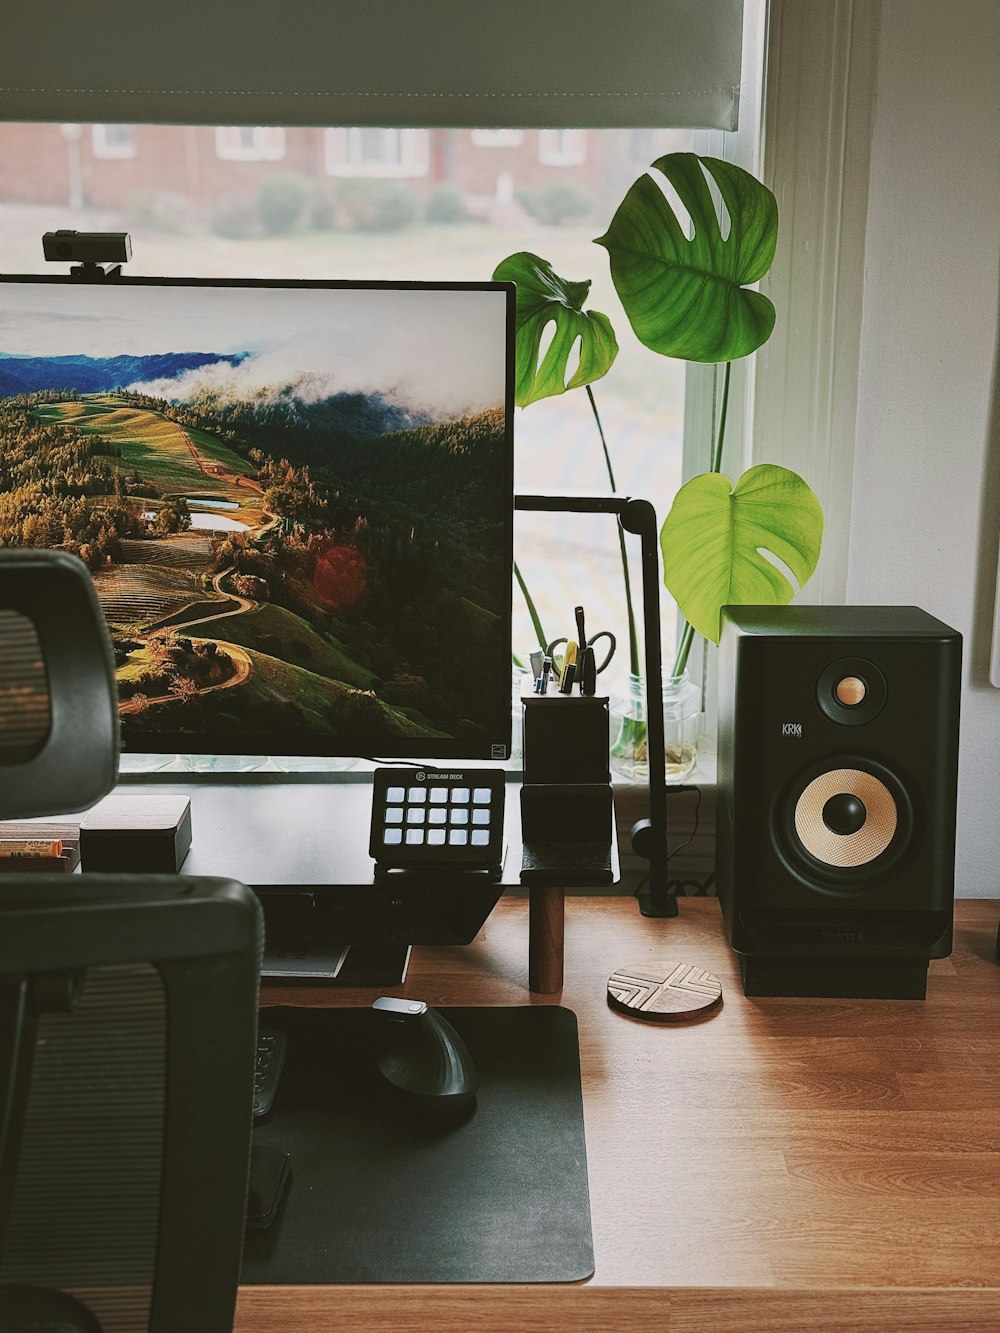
(779, 1165)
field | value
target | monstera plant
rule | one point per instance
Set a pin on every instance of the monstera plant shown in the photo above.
(686, 296)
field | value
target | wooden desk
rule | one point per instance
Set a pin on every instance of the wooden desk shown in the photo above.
(783, 1165)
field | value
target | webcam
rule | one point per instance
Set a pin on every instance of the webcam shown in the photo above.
(87, 247)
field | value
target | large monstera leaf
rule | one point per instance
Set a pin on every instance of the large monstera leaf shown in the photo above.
(543, 297)
(715, 533)
(688, 297)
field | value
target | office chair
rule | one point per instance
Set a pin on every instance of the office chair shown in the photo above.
(128, 1008)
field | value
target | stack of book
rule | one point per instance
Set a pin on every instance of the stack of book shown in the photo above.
(34, 847)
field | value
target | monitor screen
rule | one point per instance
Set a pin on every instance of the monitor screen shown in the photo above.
(295, 499)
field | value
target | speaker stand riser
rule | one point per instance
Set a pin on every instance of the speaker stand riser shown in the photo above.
(835, 979)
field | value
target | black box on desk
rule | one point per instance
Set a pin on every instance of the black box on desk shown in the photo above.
(136, 834)
(566, 738)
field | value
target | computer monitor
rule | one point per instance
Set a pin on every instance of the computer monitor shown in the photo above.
(295, 499)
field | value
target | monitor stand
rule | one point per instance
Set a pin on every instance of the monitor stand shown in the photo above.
(303, 847)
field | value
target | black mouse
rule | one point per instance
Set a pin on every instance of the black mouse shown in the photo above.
(423, 1060)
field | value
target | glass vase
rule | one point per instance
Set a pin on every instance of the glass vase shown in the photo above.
(681, 719)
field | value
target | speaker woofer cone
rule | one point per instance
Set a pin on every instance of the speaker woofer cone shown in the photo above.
(852, 860)
(846, 851)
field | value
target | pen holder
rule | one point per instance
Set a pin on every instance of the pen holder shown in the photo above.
(566, 738)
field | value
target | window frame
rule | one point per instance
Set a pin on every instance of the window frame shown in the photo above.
(816, 157)
(794, 402)
(703, 383)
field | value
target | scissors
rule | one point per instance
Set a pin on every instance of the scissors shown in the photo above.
(557, 663)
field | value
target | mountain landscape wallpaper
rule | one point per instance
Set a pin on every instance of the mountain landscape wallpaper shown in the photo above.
(294, 501)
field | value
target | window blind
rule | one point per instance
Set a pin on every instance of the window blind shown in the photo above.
(532, 63)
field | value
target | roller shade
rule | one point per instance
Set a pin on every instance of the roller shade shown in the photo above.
(530, 63)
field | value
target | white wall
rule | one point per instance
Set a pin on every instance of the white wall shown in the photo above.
(926, 510)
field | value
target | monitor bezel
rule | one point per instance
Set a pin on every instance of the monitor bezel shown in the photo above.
(260, 744)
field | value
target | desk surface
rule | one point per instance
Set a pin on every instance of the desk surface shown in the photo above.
(783, 1164)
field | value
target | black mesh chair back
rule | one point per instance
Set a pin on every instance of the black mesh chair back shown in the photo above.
(128, 1012)
(58, 703)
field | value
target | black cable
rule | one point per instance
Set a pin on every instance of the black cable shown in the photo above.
(681, 886)
(694, 831)
(700, 886)
(400, 763)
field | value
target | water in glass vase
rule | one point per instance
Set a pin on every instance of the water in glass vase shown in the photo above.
(681, 718)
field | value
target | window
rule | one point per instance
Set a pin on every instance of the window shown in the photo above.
(421, 204)
(370, 151)
(249, 143)
(111, 141)
(436, 202)
(562, 148)
(498, 138)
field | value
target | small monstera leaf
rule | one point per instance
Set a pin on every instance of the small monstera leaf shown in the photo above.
(543, 296)
(715, 534)
(688, 297)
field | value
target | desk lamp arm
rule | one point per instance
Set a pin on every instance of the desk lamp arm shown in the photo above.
(649, 836)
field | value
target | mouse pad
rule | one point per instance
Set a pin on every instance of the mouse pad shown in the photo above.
(377, 1194)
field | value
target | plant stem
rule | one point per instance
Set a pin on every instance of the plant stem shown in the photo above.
(532, 609)
(717, 455)
(687, 634)
(683, 648)
(633, 643)
(604, 443)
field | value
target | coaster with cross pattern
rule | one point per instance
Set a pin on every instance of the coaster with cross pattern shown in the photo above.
(664, 992)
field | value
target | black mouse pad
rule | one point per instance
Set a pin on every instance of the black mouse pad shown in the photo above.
(377, 1194)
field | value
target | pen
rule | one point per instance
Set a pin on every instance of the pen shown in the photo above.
(569, 668)
(588, 672)
(542, 684)
(581, 633)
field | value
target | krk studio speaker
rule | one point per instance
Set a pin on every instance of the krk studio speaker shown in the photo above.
(838, 768)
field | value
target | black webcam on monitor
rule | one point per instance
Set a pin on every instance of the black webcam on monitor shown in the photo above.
(87, 247)
(94, 254)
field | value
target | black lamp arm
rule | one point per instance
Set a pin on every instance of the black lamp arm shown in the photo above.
(636, 516)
